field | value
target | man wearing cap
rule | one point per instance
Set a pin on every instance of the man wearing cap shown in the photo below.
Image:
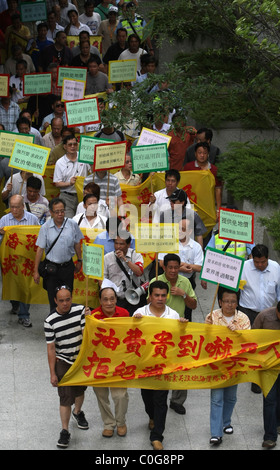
(159, 201)
(108, 29)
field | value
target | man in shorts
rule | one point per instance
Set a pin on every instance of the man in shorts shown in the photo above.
(66, 320)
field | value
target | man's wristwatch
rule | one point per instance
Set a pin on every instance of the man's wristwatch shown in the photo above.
(185, 295)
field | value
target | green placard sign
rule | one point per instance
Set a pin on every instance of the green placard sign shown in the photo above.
(72, 73)
(7, 141)
(29, 157)
(82, 112)
(147, 158)
(37, 83)
(33, 11)
(86, 148)
(236, 225)
(122, 71)
(93, 260)
(148, 29)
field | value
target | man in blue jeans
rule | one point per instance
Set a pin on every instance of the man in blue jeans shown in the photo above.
(270, 319)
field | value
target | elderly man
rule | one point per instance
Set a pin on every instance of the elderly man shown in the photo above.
(18, 216)
(60, 239)
(64, 328)
(53, 138)
(66, 171)
(108, 309)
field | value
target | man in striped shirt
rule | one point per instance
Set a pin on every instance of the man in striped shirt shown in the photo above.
(64, 332)
(18, 216)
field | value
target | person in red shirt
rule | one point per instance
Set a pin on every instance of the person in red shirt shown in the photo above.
(108, 309)
(201, 162)
(182, 138)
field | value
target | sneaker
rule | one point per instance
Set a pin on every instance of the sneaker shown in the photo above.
(25, 322)
(80, 420)
(269, 444)
(64, 439)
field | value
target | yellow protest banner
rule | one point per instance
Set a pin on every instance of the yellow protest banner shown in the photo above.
(199, 186)
(17, 255)
(163, 354)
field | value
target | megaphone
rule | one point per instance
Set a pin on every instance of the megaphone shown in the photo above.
(133, 295)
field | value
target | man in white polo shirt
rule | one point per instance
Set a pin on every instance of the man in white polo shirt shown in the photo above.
(66, 171)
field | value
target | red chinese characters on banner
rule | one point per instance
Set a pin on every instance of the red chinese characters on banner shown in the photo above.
(218, 350)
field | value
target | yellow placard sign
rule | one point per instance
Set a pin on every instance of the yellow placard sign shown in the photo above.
(108, 156)
(157, 238)
(7, 141)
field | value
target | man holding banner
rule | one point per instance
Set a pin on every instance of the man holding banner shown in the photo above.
(156, 400)
(108, 309)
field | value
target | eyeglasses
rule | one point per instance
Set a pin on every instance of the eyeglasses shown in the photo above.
(61, 211)
(61, 105)
(229, 302)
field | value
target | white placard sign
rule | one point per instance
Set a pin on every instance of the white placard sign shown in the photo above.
(222, 269)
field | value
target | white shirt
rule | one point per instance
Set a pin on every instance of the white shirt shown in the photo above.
(127, 55)
(65, 169)
(97, 222)
(101, 210)
(168, 312)
(75, 31)
(262, 288)
(190, 253)
(19, 186)
(93, 22)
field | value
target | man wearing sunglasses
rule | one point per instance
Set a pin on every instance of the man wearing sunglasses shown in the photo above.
(58, 112)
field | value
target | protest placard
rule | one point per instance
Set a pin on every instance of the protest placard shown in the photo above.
(122, 71)
(29, 157)
(72, 90)
(149, 158)
(150, 137)
(82, 112)
(96, 41)
(93, 260)
(236, 225)
(7, 141)
(72, 73)
(86, 148)
(4, 85)
(33, 11)
(37, 84)
(109, 156)
(223, 269)
(157, 238)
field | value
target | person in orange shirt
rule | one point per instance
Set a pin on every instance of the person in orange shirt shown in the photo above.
(182, 138)
(108, 309)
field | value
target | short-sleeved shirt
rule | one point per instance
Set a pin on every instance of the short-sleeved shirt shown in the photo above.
(114, 185)
(168, 313)
(63, 250)
(59, 328)
(114, 273)
(177, 302)
(65, 169)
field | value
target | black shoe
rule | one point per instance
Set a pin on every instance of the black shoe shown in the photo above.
(64, 439)
(255, 388)
(216, 441)
(80, 420)
(180, 409)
